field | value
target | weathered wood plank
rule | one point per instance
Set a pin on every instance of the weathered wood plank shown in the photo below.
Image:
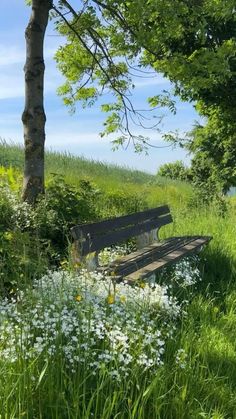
(150, 248)
(168, 259)
(118, 222)
(151, 256)
(118, 236)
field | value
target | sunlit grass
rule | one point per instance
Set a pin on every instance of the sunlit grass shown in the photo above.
(109, 177)
(204, 386)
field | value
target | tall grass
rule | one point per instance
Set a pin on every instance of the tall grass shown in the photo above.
(108, 177)
(203, 384)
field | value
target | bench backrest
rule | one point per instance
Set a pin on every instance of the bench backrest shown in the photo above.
(95, 236)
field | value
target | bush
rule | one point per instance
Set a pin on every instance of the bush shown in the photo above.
(62, 207)
(176, 171)
(6, 210)
(22, 258)
(35, 239)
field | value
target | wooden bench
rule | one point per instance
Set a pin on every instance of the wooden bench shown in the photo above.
(151, 255)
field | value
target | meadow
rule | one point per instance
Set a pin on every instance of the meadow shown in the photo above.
(72, 344)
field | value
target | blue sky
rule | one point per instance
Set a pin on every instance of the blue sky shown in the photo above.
(79, 133)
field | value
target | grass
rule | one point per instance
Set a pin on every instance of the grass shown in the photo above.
(205, 386)
(108, 177)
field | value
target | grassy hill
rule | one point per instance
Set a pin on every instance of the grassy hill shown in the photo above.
(198, 376)
(108, 177)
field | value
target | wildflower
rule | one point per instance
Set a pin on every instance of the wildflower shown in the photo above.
(110, 299)
(181, 358)
(142, 284)
(77, 265)
(90, 336)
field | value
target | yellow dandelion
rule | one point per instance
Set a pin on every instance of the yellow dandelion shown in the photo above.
(77, 265)
(78, 298)
(123, 299)
(142, 285)
(110, 299)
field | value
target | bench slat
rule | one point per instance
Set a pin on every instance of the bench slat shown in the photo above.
(152, 255)
(154, 247)
(168, 259)
(94, 229)
(118, 236)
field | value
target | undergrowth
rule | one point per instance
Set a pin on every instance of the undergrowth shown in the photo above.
(195, 376)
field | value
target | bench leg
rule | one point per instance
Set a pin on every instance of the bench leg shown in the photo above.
(90, 261)
(145, 239)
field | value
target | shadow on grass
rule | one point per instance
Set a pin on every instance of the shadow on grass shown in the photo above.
(207, 334)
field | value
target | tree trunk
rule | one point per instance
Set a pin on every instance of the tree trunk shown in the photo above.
(34, 117)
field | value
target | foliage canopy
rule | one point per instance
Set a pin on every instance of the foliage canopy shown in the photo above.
(195, 47)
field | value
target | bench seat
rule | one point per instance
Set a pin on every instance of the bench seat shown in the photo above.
(144, 262)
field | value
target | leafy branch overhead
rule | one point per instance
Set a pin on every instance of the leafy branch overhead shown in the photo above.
(103, 52)
(101, 57)
(108, 44)
(194, 45)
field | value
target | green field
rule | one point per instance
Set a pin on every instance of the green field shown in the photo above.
(196, 377)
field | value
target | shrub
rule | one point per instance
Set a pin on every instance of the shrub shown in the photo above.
(62, 207)
(176, 171)
(35, 239)
(6, 210)
(22, 258)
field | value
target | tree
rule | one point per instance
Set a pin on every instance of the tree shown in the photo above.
(193, 44)
(34, 117)
(196, 50)
(100, 56)
(214, 153)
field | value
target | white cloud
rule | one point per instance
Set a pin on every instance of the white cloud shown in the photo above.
(11, 55)
(12, 60)
(156, 80)
(9, 119)
(64, 136)
(11, 85)
(68, 138)
(12, 81)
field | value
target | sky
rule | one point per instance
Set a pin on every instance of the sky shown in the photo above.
(78, 133)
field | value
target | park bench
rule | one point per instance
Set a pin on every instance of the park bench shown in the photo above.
(151, 255)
